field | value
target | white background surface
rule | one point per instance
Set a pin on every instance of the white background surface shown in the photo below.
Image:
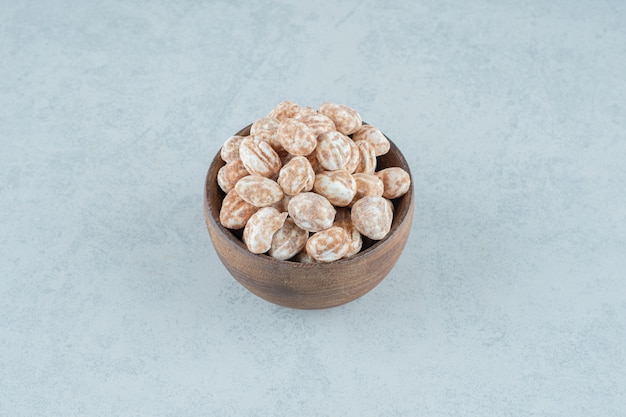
(509, 299)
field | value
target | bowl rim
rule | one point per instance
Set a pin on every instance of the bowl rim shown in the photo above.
(240, 246)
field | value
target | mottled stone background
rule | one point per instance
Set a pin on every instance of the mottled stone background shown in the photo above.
(509, 300)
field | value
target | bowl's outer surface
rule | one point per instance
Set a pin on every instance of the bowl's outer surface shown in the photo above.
(309, 286)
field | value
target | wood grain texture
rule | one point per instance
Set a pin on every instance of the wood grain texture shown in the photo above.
(309, 286)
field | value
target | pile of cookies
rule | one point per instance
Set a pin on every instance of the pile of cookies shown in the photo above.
(303, 185)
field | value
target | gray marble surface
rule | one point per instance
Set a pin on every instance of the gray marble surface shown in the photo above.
(509, 300)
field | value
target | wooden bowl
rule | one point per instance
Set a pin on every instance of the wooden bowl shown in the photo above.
(302, 285)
